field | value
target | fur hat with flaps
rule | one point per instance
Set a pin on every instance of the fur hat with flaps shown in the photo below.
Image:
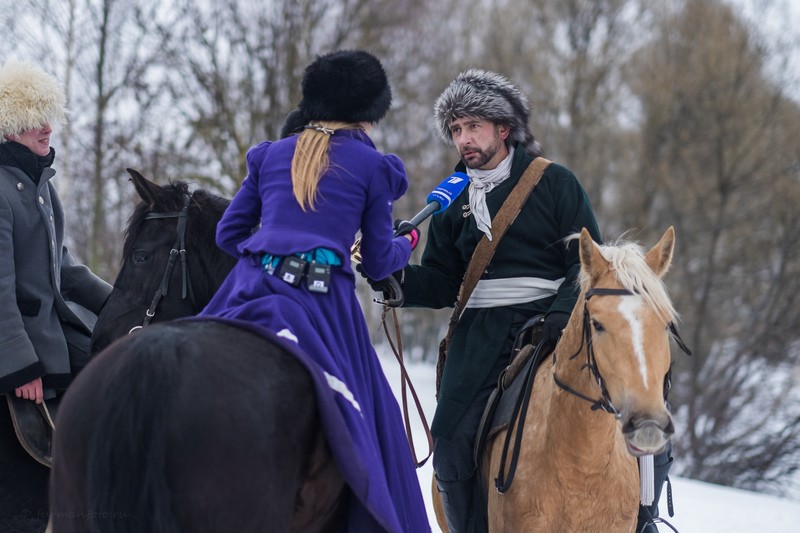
(29, 98)
(490, 96)
(344, 86)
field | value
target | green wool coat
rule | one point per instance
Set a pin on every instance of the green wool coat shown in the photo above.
(532, 247)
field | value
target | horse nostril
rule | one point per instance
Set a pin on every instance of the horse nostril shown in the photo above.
(629, 426)
(635, 424)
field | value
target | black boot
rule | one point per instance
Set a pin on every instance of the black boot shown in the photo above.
(457, 497)
(661, 465)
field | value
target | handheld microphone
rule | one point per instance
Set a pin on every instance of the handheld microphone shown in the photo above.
(442, 196)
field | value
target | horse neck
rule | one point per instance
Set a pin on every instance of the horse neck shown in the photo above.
(209, 265)
(207, 273)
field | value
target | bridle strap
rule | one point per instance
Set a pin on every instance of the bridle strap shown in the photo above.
(673, 329)
(178, 249)
(604, 402)
(601, 291)
(600, 403)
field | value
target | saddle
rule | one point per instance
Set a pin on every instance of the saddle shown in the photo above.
(34, 427)
(504, 402)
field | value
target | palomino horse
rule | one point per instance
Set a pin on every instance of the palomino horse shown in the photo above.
(187, 425)
(577, 469)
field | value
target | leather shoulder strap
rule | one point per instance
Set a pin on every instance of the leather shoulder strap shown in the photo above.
(500, 223)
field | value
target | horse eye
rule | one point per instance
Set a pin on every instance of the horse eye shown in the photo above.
(140, 257)
(598, 327)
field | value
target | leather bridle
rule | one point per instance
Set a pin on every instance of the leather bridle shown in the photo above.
(604, 402)
(503, 480)
(178, 249)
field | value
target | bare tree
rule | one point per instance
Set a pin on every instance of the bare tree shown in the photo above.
(719, 162)
(101, 50)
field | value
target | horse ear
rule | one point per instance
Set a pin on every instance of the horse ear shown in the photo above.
(592, 261)
(148, 191)
(659, 258)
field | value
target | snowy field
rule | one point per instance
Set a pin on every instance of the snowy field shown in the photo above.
(699, 507)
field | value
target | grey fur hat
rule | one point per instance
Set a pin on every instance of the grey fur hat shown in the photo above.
(29, 98)
(490, 96)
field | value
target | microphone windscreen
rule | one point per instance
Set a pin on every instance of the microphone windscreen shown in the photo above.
(448, 190)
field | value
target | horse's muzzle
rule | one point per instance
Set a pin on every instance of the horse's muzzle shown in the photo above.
(647, 436)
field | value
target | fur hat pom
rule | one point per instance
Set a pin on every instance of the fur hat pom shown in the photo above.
(29, 98)
(490, 96)
(346, 86)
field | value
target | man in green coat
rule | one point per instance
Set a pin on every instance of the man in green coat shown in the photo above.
(532, 272)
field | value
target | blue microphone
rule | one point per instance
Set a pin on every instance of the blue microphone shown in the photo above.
(442, 196)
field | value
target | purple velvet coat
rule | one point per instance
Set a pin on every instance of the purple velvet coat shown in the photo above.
(355, 193)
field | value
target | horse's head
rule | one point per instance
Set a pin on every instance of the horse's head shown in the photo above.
(171, 265)
(624, 319)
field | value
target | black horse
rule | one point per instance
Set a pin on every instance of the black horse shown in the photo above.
(187, 425)
(171, 266)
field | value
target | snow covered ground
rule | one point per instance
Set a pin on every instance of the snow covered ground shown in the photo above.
(699, 507)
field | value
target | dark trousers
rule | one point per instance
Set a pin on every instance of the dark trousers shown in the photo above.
(457, 477)
(456, 473)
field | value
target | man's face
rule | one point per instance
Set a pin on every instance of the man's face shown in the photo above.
(480, 143)
(37, 140)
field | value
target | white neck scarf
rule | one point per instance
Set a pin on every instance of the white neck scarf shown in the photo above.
(481, 182)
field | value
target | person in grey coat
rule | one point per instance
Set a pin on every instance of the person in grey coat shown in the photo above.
(44, 336)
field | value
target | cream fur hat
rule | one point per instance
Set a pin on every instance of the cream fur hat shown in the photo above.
(29, 98)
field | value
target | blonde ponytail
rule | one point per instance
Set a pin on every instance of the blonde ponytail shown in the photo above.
(310, 160)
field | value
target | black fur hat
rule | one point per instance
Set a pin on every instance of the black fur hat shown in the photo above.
(294, 123)
(486, 95)
(344, 86)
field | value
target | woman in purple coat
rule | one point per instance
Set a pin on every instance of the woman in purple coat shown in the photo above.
(291, 225)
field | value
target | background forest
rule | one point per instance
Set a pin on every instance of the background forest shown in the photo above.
(683, 113)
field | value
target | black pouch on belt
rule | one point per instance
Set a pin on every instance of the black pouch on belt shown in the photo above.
(292, 270)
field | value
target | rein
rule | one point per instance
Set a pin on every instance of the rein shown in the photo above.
(178, 249)
(604, 402)
(397, 349)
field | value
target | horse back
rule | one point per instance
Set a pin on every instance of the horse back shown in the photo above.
(191, 425)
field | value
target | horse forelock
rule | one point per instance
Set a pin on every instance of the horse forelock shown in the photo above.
(628, 266)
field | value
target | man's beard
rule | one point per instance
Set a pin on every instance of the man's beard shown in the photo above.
(484, 155)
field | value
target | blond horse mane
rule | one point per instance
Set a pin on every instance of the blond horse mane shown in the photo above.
(629, 267)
